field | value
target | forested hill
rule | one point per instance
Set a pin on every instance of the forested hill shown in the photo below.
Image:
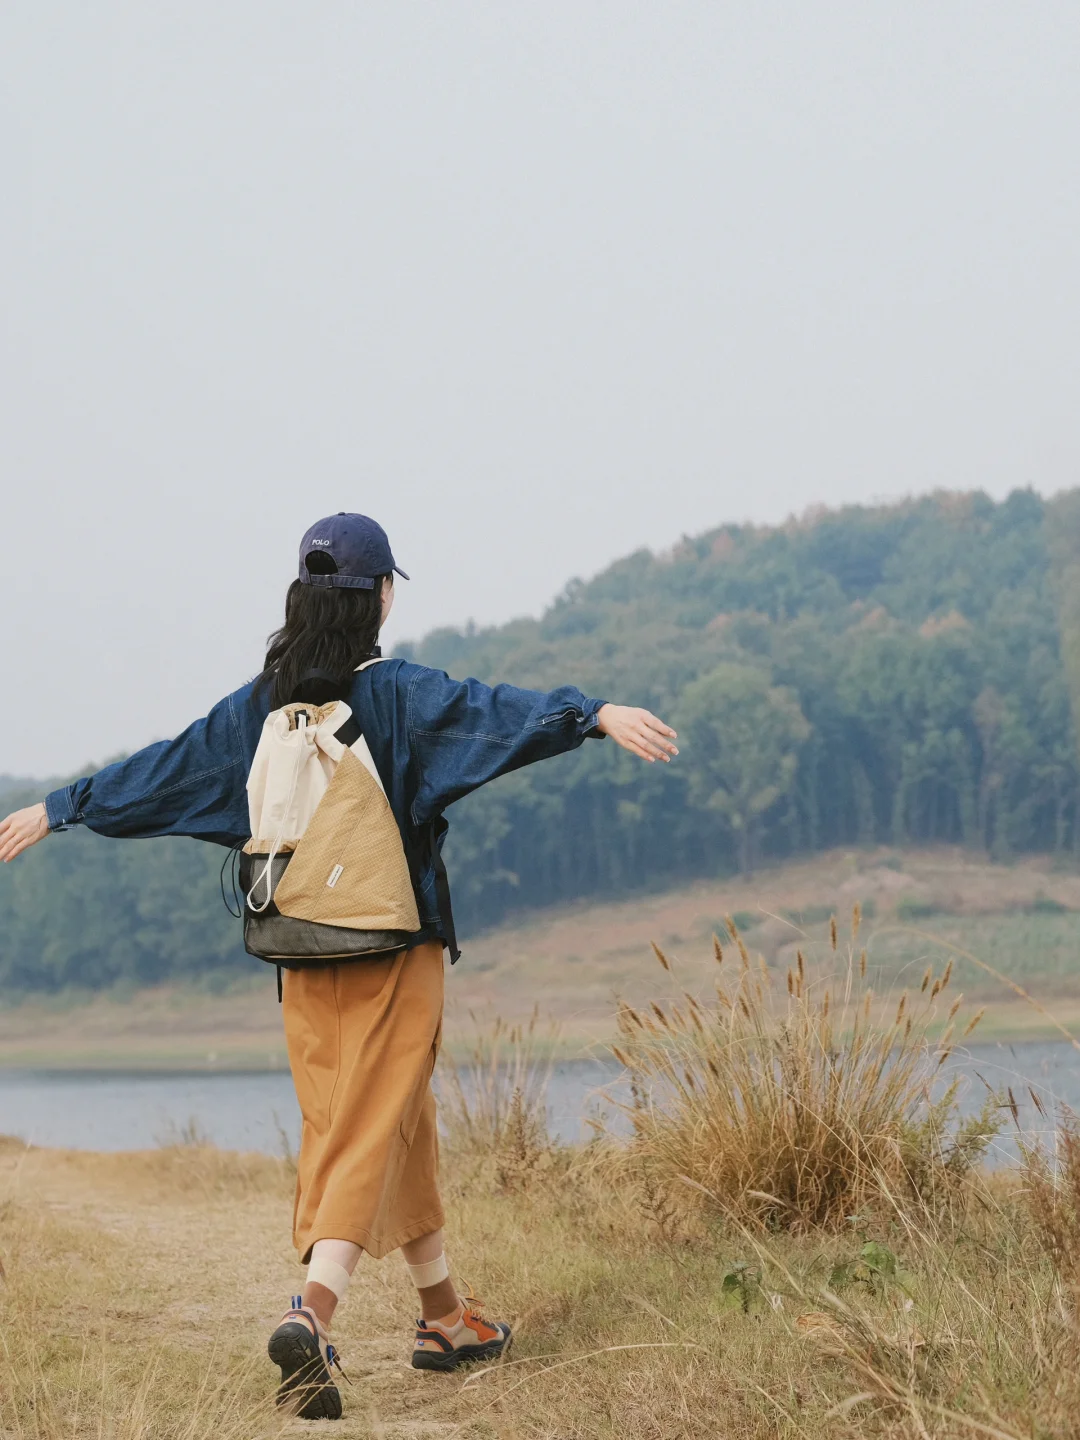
(873, 674)
(901, 673)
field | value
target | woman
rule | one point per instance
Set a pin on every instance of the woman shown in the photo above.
(363, 1036)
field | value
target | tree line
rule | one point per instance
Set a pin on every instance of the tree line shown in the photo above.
(899, 674)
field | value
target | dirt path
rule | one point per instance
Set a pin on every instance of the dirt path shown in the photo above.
(190, 1249)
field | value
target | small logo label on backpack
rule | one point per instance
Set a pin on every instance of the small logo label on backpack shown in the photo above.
(335, 876)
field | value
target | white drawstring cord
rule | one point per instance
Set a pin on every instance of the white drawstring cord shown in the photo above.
(301, 728)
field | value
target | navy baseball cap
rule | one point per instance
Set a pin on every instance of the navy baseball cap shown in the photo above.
(353, 550)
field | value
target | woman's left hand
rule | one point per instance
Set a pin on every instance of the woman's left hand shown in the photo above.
(21, 829)
(638, 731)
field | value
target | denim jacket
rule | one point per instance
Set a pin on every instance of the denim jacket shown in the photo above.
(433, 740)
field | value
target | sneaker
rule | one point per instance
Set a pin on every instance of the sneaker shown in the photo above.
(300, 1348)
(444, 1347)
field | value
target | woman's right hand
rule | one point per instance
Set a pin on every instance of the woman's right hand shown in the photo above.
(21, 829)
(638, 731)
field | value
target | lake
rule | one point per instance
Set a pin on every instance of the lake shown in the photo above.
(126, 1110)
(101, 1110)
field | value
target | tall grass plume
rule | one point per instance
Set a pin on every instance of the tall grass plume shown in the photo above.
(493, 1105)
(796, 1101)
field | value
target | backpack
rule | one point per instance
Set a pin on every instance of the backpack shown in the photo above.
(324, 876)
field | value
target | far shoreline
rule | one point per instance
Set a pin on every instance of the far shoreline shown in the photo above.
(260, 1050)
(568, 968)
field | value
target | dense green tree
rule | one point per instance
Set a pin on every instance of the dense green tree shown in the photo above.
(741, 737)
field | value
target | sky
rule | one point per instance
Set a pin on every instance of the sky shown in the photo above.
(536, 284)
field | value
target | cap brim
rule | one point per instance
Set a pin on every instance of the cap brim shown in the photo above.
(398, 571)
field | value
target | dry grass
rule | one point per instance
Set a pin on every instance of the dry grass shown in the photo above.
(1053, 1196)
(498, 1088)
(493, 1105)
(876, 1284)
(91, 1343)
(964, 1328)
(797, 1110)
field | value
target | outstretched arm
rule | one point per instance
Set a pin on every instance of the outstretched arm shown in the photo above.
(21, 829)
(465, 734)
(193, 785)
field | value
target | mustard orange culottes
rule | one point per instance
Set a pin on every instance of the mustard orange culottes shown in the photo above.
(362, 1040)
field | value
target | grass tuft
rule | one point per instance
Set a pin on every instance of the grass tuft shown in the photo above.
(795, 1106)
(493, 1107)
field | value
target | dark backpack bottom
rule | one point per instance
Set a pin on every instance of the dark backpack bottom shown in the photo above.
(299, 944)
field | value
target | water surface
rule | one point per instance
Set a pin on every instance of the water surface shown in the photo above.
(100, 1110)
(132, 1110)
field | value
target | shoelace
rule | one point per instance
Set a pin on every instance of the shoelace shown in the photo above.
(472, 1304)
(332, 1359)
(472, 1307)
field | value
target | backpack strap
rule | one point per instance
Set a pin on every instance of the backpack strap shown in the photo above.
(319, 687)
(433, 833)
(350, 732)
(316, 687)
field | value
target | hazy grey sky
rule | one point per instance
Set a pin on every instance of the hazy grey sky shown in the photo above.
(533, 283)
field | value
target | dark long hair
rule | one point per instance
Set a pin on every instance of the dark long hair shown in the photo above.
(327, 629)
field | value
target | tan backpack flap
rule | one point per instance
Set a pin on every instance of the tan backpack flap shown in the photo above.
(349, 868)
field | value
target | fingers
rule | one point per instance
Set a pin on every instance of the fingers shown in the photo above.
(649, 744)
(13, 844)
(654, 723)
(660, 743)
(655, 737)
(20, 830)
(628, 743)
(640, 732)
(647, 737)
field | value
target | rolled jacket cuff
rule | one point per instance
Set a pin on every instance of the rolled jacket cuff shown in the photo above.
(587, 726)
(60, 809)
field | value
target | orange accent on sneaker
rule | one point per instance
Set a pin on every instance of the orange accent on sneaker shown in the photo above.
(481, 1328)
(443, 1346)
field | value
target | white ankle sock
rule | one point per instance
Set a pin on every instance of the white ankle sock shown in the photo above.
(328, 1273)
(431, 1272)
